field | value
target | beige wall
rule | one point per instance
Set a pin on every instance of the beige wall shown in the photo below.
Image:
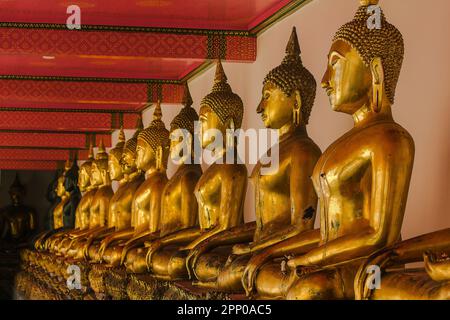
(422, 100)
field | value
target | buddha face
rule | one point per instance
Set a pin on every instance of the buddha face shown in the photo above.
(16, 195)
(210, 123)
(275, 107)
(60, 189)
(96, 175)
(114, 168)
(128, 163)
(347, 80)
(145, 156)
(83, 178)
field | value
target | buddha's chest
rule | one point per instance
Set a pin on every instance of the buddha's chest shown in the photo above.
(342, 181)
(271, 182)
(173, 194)
(208, 189)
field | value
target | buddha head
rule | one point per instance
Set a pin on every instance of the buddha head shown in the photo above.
(71, 179)
(288, 91)
(17, 191)
(100, 174)
(220, 110)
(128, 159)
(363, 63)
(183, 121)
(153, 144)
(115, 154)
(84, 174)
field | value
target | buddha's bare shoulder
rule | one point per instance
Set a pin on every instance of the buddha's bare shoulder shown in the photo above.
(304, 146)
(390, 137)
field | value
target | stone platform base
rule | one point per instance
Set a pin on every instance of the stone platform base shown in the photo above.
(48, 281)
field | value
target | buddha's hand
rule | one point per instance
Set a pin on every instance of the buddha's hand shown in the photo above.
(103, 246)
(437, 265)
(364, 277)
(192, 257)
(152, 247)
(251, 271)
(241, 249)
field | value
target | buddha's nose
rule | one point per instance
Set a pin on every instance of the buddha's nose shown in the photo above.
(325, 83)
(260, 107)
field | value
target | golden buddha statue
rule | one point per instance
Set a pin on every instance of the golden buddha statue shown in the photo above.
(151, 157)
(99, 204)
(64, 213)
(121, 204)
(397, 283)
(179, 209)
(362, 179)
(221, 189)
(285, 200)
(83, 209)
(18, 220)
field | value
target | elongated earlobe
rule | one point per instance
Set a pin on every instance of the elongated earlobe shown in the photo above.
(296, 112)
(377, 70)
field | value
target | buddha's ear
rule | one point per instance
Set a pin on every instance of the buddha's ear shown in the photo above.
(377, 70)
(159, 157)
(297, 112)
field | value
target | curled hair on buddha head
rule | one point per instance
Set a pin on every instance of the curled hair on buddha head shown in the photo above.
(131, 144)
(156, 135)
(385, 43)
(71, 178)
(118, 149)
(223, 101)
(291, 75)
(87, 165)
(187, 116)
(101, 158)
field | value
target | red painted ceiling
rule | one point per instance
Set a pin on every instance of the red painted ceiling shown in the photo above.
(195, 14)
(61, 88)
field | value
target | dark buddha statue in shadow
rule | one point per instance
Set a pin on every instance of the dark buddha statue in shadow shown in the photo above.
(17, 221)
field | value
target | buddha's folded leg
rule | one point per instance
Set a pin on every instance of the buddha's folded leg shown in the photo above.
(336, 283)
(76, 250)
(177, 265)
(136, 260)
(161, 260)
(271, 282)
(230, 277)
(411, 285)
(94, 252)
(113, 255)
(209, 265)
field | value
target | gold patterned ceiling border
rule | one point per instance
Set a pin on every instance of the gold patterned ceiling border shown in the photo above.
(88, 79)
(281, 14)
(185, 31)
(110, 131)
(116, 113)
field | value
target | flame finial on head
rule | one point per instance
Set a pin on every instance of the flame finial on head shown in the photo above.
(101, 152)
(293, 46)
(121, 138)
(368, 2)
(91, 152)
(187, 98)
